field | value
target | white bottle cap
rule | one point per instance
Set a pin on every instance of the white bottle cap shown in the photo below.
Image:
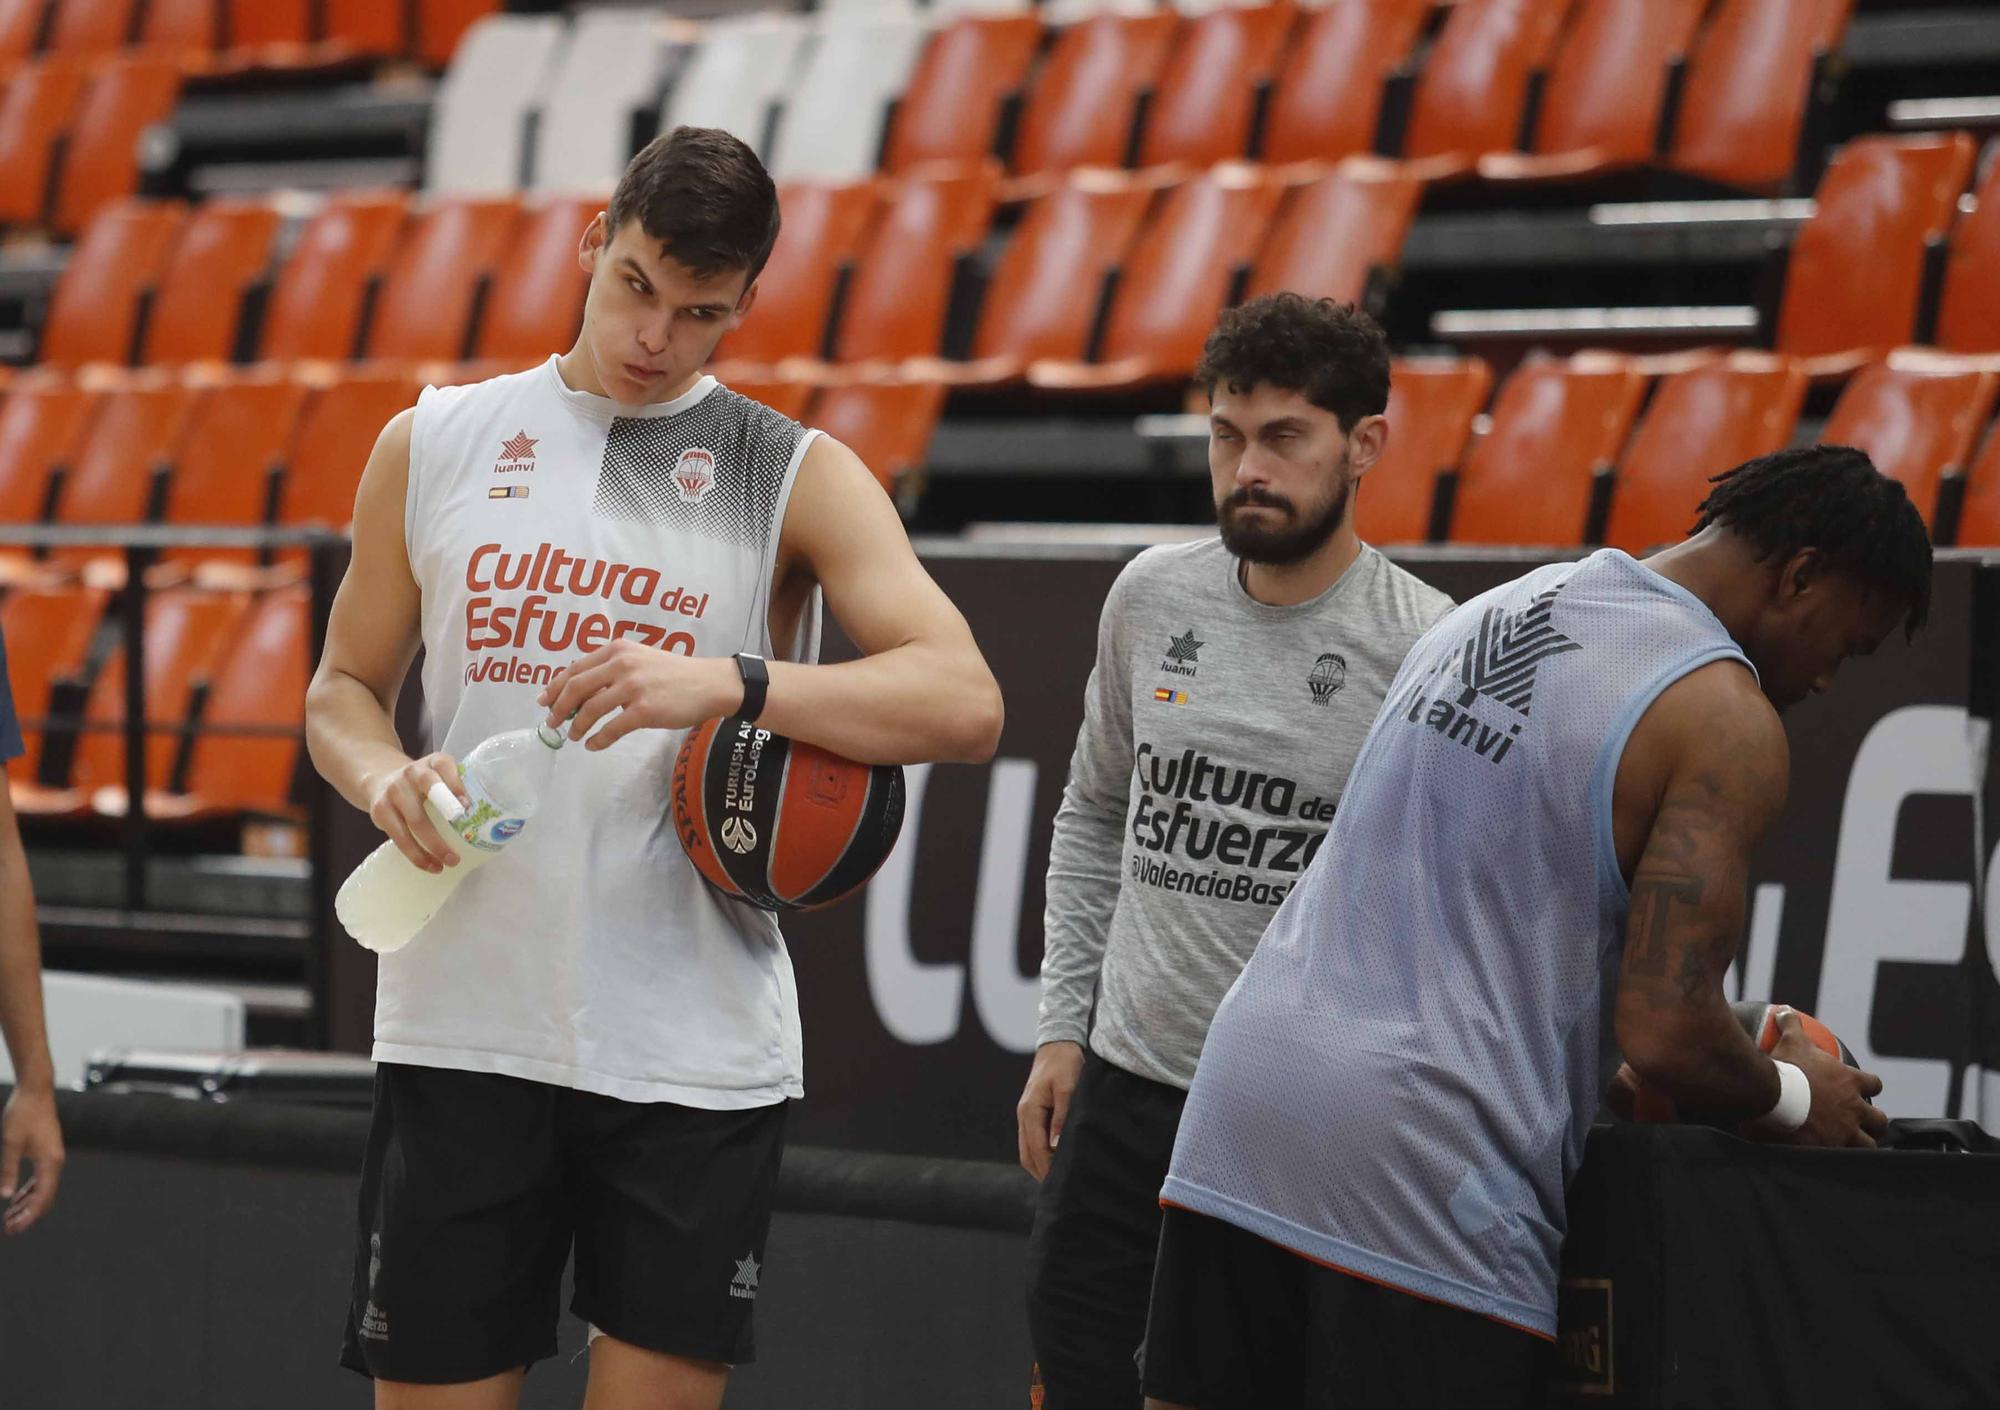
(445, 801)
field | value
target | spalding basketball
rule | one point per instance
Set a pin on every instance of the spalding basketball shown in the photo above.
(781, 824)
(1760, 1021)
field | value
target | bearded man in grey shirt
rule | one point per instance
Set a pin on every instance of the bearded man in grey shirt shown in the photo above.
(1236, 678)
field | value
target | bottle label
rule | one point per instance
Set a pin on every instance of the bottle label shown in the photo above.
(484, 826)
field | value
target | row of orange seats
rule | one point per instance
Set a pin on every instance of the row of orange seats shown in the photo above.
(489, 279)
(237, 35)
(281, 446)
(225, 661)
(1566, 455)
(1158, 90)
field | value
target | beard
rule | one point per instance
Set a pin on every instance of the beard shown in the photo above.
(1294, 537)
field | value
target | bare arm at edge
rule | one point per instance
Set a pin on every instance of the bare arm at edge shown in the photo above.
(921, 689)
(371, 638)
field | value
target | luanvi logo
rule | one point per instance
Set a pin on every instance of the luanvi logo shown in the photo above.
(744, 1284)
(517, 455)
(1498, 662)
(1181, 660)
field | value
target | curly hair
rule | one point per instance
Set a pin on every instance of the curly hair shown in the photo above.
(1333, 353)
(1833, 499)
(705, 197)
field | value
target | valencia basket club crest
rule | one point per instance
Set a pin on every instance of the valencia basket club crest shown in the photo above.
(694, 472)
(1327, 676)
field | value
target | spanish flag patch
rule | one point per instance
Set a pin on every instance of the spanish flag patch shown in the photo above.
(1170, 697)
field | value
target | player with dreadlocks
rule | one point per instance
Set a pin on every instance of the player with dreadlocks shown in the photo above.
(1554, 812)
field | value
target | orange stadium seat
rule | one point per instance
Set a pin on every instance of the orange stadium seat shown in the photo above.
(91, 26)
(888, 424)
(261, 683)
(190, 29)
(237, 437)
(335, 433)
(36, 107)
(823, 227)
(1176, 280)
(269, 33)
(224, 250)
(186, 632)
(48, 632)
(1327, 99)
(951, 110)
(1969, 311)
(101, 162)
(534, 305)
(1207, 95)
(1432, 403)
(1979, 518)
(1043, 297)
(442, 23)
(1331, 233)
(95, 310)
(1474, 84)
(41, 423)
(1703, 420)
(784, 396)
(1082, 106)
(1918, 415)
(896, 304)
(1881, 202)
(1601, 105)
(132, 439)
(1749, 83)
(364, 27)
(317, 301)
(425, 306)
(20, 29)
(1558, 423)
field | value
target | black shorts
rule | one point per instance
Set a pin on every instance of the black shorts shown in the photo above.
(1241, 1324)
(1097, 1226)
(475, 1186)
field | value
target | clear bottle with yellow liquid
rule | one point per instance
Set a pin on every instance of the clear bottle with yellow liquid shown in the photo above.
(388, 899)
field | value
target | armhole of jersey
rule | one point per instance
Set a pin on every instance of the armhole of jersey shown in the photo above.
(1604, 776)
(803, 649)
(413, 484)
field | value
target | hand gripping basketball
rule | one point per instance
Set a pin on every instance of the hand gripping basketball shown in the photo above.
(778, 823)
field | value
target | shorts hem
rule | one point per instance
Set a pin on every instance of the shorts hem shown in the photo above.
(735, 1356)
(554, 1074)
(1358, 1262)
(354, 1361)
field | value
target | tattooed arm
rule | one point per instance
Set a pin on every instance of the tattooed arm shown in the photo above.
(1710, 764)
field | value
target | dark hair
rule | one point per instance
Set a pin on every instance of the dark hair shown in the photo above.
(1333, 353)
(705, 197)
(1830, 498)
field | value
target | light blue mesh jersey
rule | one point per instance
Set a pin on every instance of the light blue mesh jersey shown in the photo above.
(1400, 1081)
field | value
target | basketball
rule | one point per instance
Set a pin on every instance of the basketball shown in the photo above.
(783, 825)
(1760, 1021)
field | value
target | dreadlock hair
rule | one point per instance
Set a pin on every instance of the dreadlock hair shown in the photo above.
(1332, 353)
(1833, 499)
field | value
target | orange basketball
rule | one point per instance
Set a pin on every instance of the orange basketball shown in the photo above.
(780, 824)
(1760, 1021)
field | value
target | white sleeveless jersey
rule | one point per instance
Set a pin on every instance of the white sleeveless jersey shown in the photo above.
(543, 522)
(1400, 1081)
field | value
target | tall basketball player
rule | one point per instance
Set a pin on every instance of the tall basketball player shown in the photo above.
(1554, 813)
(1235, 680)
(588, 1045)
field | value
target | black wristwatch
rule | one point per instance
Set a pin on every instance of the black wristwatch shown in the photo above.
(756, 684)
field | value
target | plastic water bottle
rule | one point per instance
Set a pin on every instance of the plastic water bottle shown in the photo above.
(389, 898)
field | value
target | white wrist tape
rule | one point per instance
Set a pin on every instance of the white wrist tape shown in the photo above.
(1794, 1101)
